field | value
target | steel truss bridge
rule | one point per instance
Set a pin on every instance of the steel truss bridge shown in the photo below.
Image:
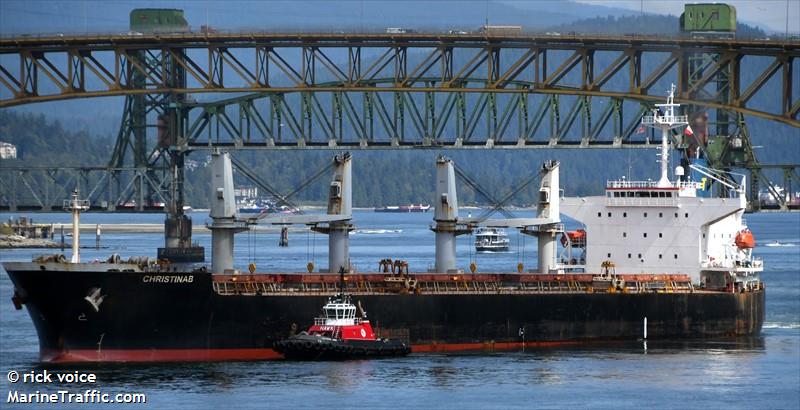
(335, 91)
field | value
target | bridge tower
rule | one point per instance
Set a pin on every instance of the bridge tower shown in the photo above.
(148, 136)
(721, 133)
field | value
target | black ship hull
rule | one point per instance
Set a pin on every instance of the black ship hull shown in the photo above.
(139, 316)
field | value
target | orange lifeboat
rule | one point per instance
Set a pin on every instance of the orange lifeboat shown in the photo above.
(745, 239)
(577, 238)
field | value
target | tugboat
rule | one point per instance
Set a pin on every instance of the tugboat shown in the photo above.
(491, 240)
(340, 335)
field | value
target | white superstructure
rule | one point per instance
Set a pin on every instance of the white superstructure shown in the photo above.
(664, 226)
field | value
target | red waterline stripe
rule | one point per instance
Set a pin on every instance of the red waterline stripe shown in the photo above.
(217, 355)
(488, 346)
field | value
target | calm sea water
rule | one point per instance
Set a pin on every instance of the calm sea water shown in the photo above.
(761, 372)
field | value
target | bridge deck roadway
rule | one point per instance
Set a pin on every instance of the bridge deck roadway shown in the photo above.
(191, 40)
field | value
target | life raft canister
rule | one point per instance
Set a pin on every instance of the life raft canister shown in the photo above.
(745, 239)
(577, 238)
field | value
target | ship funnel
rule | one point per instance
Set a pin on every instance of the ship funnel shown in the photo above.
(340, 199)
(445, 215)
(223, 213)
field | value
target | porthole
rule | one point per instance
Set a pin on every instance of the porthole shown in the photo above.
(660, 235)
(624, 214)
(609, 255)
(676, 256)
(599, 214)
(645, 214)
(609, 214)
(629, 256)
(660, 214)
(644, 234)
(624, 234)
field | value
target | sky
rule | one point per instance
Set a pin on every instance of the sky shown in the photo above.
(769, 14)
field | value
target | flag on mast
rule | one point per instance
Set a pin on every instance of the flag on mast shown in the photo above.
(688, 131)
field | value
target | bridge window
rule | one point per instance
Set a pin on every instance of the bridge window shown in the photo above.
(630, 194)
(616, 194)
(642, 194)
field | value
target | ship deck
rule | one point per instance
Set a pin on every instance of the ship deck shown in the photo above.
(436, 283)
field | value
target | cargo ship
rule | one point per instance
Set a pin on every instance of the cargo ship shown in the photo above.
(654, 259)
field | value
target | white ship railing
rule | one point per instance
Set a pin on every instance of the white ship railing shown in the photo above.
(322, 321)
(665, 119)
(623, 183)
(754, 263)
(689, 185)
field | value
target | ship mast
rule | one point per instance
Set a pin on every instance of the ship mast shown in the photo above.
(76, 205)
(665, 119)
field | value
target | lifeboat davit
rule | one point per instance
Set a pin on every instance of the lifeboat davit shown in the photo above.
(745, 239)
(577, 238)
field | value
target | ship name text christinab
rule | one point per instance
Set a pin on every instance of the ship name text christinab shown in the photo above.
(167, 279)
